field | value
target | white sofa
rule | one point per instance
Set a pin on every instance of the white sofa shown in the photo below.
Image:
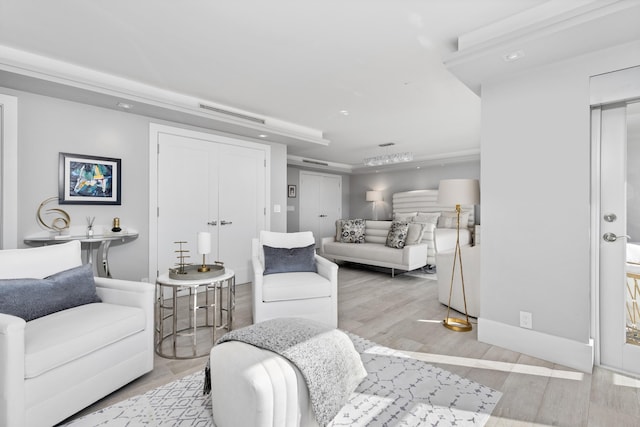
(374, 251)
(54, 366)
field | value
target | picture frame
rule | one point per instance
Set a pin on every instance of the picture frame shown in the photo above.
(89, 180)
(291, 191)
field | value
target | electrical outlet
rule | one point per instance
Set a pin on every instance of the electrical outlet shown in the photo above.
(526, 320)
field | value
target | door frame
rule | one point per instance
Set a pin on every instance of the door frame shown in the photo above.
(155, 130)
(605, 89)
(9, 171)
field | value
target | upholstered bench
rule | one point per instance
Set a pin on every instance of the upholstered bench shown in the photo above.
(285, 372)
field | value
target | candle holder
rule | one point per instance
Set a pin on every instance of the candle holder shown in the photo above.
(204, 267)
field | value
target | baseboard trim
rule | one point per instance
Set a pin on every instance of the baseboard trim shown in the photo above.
(559, 350)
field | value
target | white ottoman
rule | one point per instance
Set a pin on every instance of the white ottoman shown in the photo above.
(252, 387)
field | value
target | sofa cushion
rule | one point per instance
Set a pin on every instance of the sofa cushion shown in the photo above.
(427, 217)
(353, 231)
(397, 234)
(374, 252)
(33, 298)
(285, 260)
(294, 286)
(62, 337)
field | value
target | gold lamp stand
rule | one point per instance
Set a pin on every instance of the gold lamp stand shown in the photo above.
(455, 323)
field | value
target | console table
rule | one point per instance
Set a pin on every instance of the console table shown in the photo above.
(104, 241)
(168, 311)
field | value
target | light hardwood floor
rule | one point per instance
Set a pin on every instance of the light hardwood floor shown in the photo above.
(404, 313)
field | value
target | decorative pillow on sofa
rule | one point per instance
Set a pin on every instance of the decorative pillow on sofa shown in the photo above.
(450, 219)
(404, 217)
(287, 260)
(339, 223)
(414, 233)
(352, 231)
(397, 234)
(34, 298)
(427, 217)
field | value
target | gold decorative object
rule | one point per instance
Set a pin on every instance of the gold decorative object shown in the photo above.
(116, 225)
(59, 223)
(181, 257)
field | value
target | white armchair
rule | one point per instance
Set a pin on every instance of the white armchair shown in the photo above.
(55, 365)
(298, 293)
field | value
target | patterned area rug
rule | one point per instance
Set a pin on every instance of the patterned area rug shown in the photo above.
(399, 391)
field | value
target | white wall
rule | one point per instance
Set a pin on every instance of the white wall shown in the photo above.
(425, 178)
(535, 190)
(47, 126)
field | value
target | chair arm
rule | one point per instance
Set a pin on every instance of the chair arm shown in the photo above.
(125, 292)
(11, 370)
(258, 271)
(328, 270)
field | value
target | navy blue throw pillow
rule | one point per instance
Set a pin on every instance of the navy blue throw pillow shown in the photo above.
(287, 260)
(34, 298)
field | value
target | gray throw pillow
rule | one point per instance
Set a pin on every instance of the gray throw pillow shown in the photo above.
(287, 260)
(34, 298)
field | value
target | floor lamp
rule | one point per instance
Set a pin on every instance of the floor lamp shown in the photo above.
(374, 196)
(458, 192)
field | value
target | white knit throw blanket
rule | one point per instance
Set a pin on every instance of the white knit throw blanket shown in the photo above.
(326, 357)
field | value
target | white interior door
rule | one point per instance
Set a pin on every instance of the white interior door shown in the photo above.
(187, 198)
(330, 205)
(204, 182)
(619, 336)
(242, 206)
(320, 203)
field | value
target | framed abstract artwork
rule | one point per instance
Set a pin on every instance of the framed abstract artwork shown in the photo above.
(89, 180)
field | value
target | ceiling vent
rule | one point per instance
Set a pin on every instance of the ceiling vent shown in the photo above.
(231, 113)
(315, 162)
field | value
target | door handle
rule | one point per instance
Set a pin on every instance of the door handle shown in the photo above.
(223, 222)
(212, 223)
(323, 216)
(611, 237)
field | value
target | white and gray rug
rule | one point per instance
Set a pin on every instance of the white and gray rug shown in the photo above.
(399, 391)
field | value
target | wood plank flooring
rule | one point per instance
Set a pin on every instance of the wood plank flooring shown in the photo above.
(404, 313)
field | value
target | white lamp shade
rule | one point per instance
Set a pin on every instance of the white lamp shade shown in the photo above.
(374, 196)
(204, 243)
(453, 192)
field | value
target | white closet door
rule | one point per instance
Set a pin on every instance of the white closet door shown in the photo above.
(330, 205)
(320, 203)
(241, 206)
(187, 197)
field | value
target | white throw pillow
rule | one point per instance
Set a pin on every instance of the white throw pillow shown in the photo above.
(450, 219)
(404, 217)
(415, 233)
(427, 217)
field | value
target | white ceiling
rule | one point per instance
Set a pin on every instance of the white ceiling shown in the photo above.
(299, 62)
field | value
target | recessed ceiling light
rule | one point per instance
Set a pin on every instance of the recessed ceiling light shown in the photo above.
(513, 56)
(262, 135)
(124, 105)
(344, 112)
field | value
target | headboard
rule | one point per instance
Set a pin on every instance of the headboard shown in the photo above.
(426, 201)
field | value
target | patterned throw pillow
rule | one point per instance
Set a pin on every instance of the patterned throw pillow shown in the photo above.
(397, 234)
(352, 231)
